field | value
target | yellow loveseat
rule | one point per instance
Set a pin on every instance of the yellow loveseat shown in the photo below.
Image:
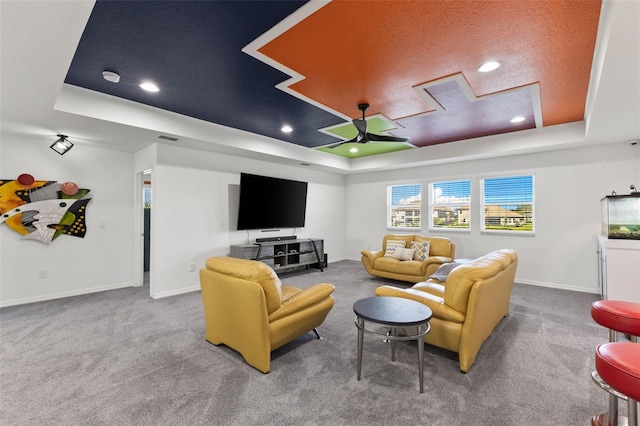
(247, 308)
(381, 263)
(468, 305)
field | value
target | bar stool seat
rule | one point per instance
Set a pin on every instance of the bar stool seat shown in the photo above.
(620, 316)
(618, 364)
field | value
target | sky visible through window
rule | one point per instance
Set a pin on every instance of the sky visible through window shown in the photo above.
(405, 194)
(506, 191)
(452, 192)
(509, 190)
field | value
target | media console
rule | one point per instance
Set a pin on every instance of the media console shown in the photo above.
(282, 254)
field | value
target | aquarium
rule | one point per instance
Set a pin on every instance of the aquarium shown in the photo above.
(621, 216)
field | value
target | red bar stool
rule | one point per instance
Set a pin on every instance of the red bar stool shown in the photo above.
(618, 317)
(618, 364)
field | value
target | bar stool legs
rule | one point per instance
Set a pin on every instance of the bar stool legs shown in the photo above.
(617, 317)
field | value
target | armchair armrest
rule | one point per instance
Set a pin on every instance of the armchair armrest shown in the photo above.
(435, 303)
(302, 300)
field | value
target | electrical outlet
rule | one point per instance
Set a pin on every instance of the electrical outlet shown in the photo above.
(192, 267)
(42, 273)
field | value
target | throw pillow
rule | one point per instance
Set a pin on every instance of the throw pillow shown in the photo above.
(422, 249)
(392, 245)
(443, 271)
(403, 253)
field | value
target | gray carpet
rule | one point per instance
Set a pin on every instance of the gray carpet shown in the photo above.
(121, 358)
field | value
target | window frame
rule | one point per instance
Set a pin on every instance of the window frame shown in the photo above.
(390, 207)
(484, 204)
(432, 203)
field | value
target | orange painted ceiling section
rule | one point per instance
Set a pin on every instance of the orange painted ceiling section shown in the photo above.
(376, 51)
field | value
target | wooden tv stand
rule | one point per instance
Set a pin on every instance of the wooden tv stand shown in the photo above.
(284, 253)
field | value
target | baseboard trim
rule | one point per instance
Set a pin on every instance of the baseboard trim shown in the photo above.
(170, 293)
(45, 297)
(559, 286)
(532, 282)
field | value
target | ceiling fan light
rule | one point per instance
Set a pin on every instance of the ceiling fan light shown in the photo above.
(489, 66)
(353, 150)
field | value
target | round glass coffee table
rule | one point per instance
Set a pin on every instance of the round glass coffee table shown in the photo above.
(393, 313)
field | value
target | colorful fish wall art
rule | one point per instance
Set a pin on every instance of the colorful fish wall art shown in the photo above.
(42, 210)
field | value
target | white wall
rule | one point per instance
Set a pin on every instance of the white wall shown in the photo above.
(195, 200)
(568, 187)
(101, 260)
(194, 212)
(195, 208)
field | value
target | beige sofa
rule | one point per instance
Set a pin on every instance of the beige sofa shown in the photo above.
(441, 250)
(468, 305)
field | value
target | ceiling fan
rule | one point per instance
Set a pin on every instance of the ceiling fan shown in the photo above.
(363, 136)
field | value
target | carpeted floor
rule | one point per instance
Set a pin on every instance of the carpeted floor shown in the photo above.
(121, 358)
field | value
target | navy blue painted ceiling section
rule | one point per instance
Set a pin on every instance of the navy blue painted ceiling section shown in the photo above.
(192, 51)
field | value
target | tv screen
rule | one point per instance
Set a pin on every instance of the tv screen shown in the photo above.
(271, 203)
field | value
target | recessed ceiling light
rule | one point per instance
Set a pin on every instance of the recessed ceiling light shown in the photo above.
(287, 129)
(489, 66)
(111, 76)
(518, 119)
(353, 150)
(149, 86)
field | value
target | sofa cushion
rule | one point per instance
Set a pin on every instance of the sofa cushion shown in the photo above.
(421, 249)
(403, 253)
(392, 245)
(438, 246)
(410, 267)
(386, 264)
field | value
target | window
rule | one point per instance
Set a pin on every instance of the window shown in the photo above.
(449, 204)
(403, 206)
(507, 204)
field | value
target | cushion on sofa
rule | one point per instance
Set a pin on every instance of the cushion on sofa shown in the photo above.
(421, 249)
(391, 246)
(403, 253)
(437, 246)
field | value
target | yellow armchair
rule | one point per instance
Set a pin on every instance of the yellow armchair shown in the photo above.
(247, 308)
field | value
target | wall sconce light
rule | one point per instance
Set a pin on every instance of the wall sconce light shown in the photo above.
(62, 145)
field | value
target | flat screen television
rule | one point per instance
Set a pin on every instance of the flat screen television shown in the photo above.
(271, 203)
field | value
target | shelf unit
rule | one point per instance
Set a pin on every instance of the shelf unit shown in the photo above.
(283, 254)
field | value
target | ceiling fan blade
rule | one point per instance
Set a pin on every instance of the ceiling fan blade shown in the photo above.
(361, 125)
(335, 145)
(385, 138)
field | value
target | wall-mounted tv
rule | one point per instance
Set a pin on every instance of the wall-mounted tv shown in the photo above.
(271, 203)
